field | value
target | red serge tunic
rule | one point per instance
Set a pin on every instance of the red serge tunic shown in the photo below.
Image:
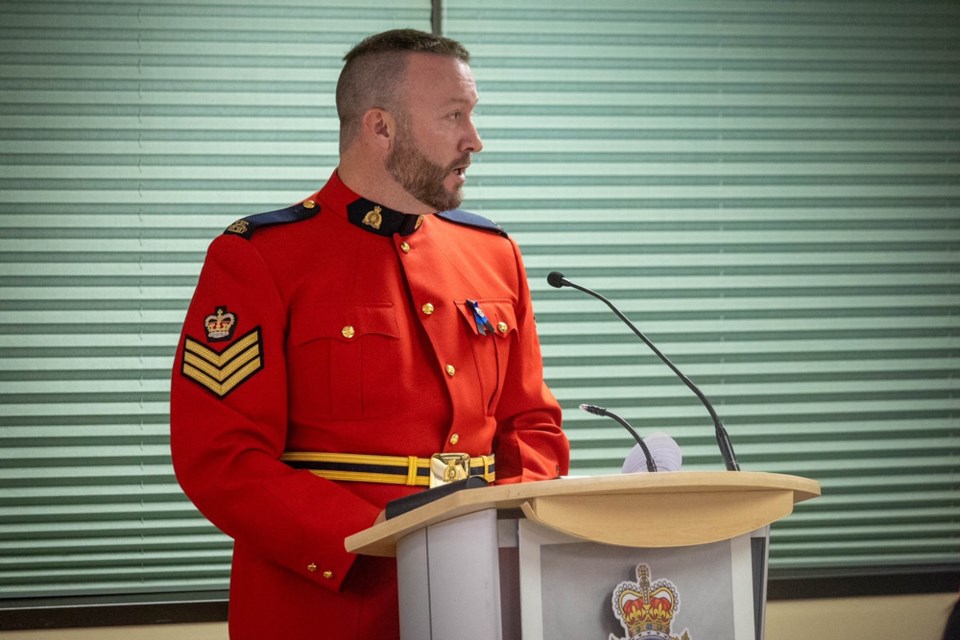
(338, 325)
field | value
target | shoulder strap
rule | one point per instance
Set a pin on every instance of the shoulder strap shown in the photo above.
(468, 219)
(246, 227)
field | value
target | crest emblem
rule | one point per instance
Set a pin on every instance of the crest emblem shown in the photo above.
(646, 610)
(373, 218)
(240, 227)
(220, 325)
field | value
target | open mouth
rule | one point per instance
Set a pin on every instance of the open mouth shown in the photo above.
(461, 168)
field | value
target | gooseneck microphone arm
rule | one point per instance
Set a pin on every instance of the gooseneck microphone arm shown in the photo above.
(556, 279)
(600, 411)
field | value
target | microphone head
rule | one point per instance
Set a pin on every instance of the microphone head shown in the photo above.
(556, 279)
(594, 409)
(663, 449)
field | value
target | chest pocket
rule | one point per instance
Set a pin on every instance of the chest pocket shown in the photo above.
(491, 345)
(340, 360)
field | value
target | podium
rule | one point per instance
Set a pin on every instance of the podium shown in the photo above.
(672, 556)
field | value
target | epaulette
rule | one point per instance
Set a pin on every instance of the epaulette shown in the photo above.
(468, 219)
(246, 227)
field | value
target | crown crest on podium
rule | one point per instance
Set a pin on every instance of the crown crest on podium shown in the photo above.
(220, 325)
(646, 610)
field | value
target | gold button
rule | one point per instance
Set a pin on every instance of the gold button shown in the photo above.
(451, 370)
(404, 247)
(427, 308)
(348, 331)
(328, 574)
(418, 223)
(311, 567)
(455, 438)
(502, 327)
(309, 204)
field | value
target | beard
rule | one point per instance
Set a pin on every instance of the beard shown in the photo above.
(421, 177)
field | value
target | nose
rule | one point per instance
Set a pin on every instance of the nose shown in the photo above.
(472, 142)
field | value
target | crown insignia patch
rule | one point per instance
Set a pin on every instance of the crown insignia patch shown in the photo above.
(220, 325)
(646, 610)
(222, 372)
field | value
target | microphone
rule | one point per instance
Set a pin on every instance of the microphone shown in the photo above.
(600, 411)
(556, 279)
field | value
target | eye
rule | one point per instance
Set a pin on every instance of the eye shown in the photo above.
(455, 115)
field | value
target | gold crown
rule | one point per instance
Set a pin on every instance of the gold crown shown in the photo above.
(220, 323)
(646, 610)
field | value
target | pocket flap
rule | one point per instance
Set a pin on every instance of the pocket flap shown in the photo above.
(324, 322)
(500, 313)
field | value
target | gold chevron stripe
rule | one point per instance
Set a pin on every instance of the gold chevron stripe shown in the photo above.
(217, 359)
(222, 389)
(222, 372)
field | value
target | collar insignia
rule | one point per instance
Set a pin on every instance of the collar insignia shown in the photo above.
(381, 220)
(373, 218)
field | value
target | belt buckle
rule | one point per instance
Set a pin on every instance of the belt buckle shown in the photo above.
(448, 467)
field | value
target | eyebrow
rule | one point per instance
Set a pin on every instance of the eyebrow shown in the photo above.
(470, 103)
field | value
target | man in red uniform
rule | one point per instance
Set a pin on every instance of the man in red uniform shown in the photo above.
(332, 348)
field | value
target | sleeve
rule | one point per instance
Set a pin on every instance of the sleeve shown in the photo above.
(530, 444)
(228, 419)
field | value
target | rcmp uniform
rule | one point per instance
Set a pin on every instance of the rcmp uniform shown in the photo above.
(328, 332)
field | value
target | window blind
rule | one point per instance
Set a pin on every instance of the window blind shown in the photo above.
(131, 134)
(768, 189)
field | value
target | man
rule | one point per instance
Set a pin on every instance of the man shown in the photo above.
(334, 347)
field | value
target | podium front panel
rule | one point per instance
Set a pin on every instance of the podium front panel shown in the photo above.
(578, 589)
(449, 580)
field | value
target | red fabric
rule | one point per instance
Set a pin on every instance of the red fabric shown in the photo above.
(385, 390)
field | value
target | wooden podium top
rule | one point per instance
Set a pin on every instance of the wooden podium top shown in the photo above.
(668, 509)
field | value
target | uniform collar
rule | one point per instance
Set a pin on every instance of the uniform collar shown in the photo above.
(381, 220)
(366, 214)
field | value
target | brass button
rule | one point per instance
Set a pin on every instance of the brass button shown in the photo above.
(451, 370)
(427, 309)
(348, 331)
(455, 438)
(309, 204)
(418, 223)
(502, 327)
(311, 567)
(404, 247)
(328, 574)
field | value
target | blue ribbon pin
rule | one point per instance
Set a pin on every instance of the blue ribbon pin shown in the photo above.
(483, 323)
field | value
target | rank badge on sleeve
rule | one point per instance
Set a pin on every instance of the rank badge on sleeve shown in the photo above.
(223, 372)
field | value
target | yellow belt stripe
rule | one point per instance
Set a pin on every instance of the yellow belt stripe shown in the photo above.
(357, 458)
(360, 476)
(412, 464)
(412, 470)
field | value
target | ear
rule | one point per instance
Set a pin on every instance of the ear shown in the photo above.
(379, 127)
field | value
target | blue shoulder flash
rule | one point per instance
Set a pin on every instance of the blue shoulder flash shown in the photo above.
(468, 219)
(246, 227)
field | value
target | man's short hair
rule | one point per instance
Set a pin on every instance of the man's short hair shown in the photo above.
(374, 69)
